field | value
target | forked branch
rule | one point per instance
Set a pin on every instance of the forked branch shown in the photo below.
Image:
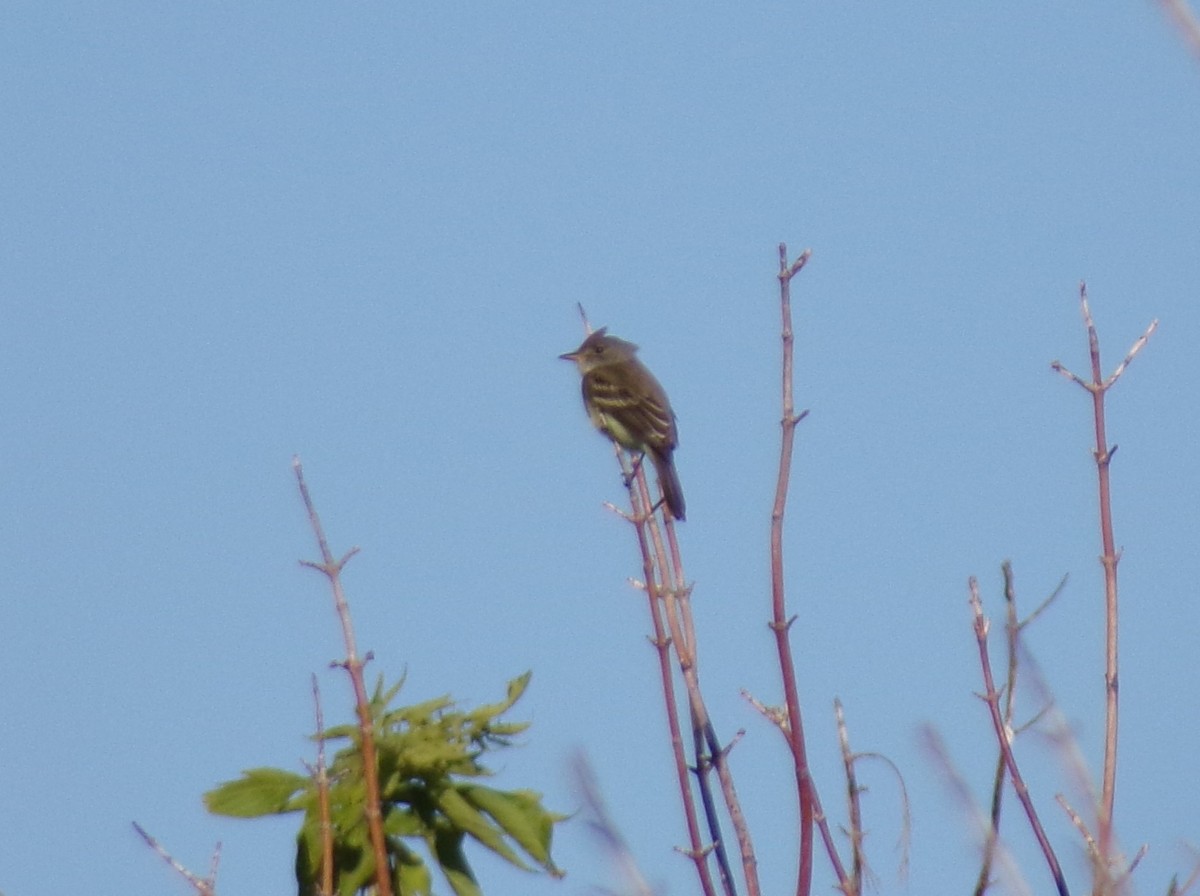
(204, 886)
(1098, 387)
(1004, 736)
(353, 664)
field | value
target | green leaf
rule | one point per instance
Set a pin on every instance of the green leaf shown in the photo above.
(382, 698)
(505, 730)
(418, 714)
(412, 877)
(489, 711)
(429, 756)
(447, 849)
(260, 791)
(402, 822)
(341, 732)
(357, 877)
(522, 817)
(469, 820)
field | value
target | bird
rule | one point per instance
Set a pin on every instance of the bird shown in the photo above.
(626, 403)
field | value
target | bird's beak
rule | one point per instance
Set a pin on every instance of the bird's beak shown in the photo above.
(569, 356)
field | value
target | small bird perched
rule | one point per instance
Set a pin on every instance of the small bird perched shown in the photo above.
(626, 403)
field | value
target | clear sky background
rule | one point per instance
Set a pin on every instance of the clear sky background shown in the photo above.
(357, 232)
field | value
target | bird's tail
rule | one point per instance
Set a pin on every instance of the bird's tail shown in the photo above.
(669, 480)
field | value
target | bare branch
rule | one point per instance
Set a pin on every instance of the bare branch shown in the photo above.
(321, 775)
(354, 667)
(1004, 739)
(605, 829)
(962, 793)
(806, 793)
(1098, 387)
(1185, 21)
(1190, 882)
(1134, 349)
(202, 886)
(1044, 605)
(638, 518)
(853, 801)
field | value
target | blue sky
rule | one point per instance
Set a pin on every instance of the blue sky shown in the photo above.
(233, 233)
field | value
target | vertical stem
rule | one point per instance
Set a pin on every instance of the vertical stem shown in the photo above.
(332, 569)
(1109, 560)
(1003, 737)
(321, 774)
(779, 621)
(675, 598)
(1098, 386)
(806, 792)
(662, 644)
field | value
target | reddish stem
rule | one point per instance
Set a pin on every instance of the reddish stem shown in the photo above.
(810, 804)
(698, 852)
(1098, 387)
(1003, 736)
(332, 570)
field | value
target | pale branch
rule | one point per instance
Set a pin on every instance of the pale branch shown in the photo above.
(332, 570)
(204, 886)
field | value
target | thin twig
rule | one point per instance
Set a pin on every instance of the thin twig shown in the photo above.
(1185, 21)
(1107, 867)
(698, 851)
(904, 841)
(679, 608)
(1012, 631)
(853, 799)
(1044, 605)
(776, 715)
(587, 326)
(202, 886)
(1081, 826)
(1004, 739)
(332, 570)
(806, 793)
(672, 592)
(322, 778)
(703, 771)
(961, 792)
(1098, 387)
(605, 829)
(780, 622)
(1106, 880)
(1189, 883)
(676, 601)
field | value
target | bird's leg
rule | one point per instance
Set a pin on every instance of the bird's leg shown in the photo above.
(637, 465)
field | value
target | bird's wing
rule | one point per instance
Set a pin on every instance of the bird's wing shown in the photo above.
(643, 418)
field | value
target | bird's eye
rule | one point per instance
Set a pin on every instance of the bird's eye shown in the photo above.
(598, 348)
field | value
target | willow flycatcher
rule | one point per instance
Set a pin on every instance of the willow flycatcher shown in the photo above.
(627, 404)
